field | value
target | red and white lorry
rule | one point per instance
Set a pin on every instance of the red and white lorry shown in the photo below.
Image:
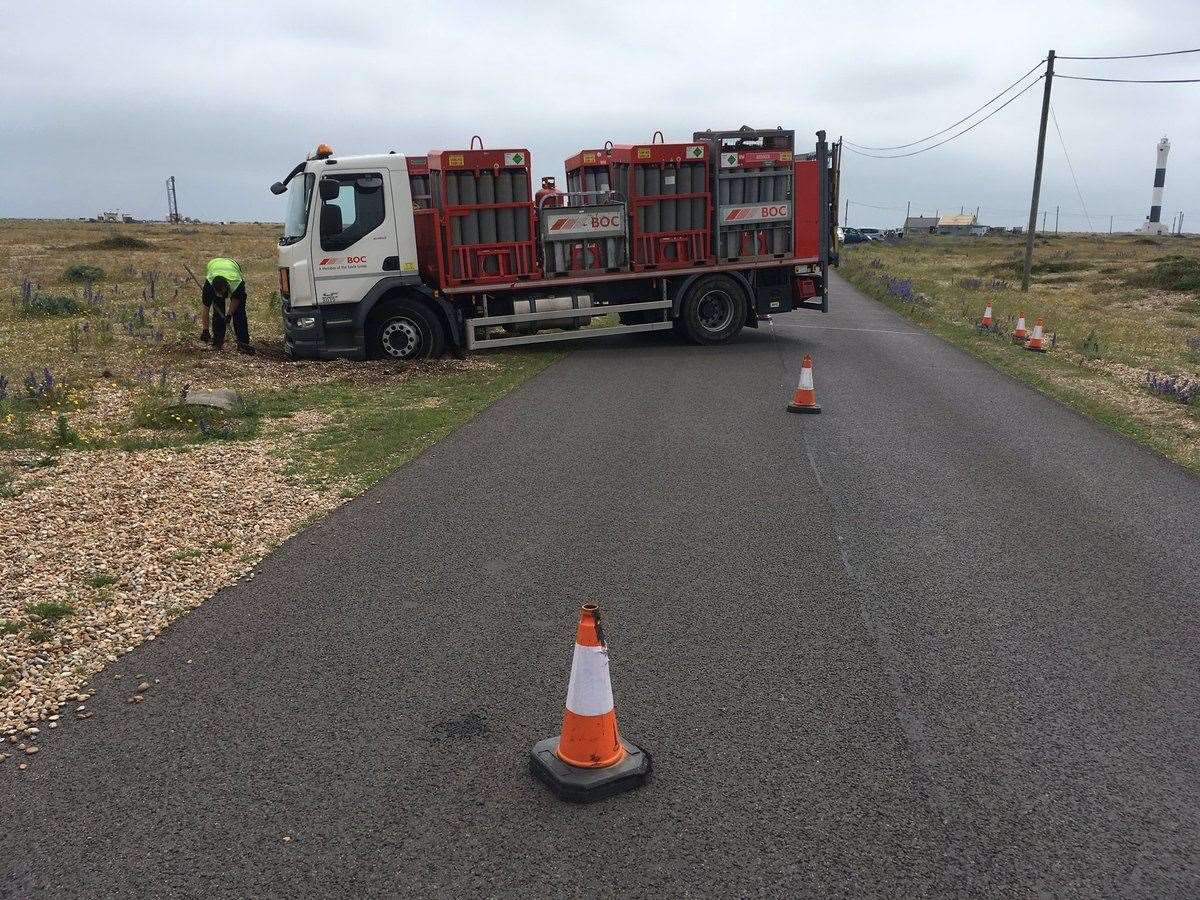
(410, 256)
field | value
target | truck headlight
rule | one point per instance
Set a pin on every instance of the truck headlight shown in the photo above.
(307, 322)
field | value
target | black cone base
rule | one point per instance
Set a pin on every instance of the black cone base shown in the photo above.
(792, 407)
(586, 785)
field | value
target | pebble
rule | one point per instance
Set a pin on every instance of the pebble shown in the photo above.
(144, 686)
(31, 750)
(138, 516)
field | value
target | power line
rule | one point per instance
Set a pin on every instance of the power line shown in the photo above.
(956, 124)
(953, 136)
(872, 206)
(1078, 192)
(1134, 55)
(1132, 80)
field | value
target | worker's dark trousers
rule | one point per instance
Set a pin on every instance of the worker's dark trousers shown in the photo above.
(241, 328)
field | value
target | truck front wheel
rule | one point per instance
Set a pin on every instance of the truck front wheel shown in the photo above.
(405, 329)
(713, 310)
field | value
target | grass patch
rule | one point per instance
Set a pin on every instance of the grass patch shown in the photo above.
(84, 273)
(101, 580)
(9, 627)
(1170, 273)
(191, 423)
(51, 305)
(50, 611)
(183, 555)
(119, 242)
(377, 429)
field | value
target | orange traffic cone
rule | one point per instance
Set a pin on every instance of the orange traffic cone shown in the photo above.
(1020, 335)
(986, 321)
(589, 760)
(804, 400)
(1036, 340)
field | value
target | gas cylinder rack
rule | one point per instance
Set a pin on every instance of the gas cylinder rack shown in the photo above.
(669, 201)
(588, 174)
(486, 217)
(752, 191)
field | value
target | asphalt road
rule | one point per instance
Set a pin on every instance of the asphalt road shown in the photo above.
(939, 640)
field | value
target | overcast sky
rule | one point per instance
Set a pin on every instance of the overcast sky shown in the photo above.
(101, 101)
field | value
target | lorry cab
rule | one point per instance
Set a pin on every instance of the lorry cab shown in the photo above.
(342, 243)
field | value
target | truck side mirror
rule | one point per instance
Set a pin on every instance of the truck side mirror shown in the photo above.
(329, 189)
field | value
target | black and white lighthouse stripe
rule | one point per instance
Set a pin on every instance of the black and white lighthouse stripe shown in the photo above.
(1160, 179)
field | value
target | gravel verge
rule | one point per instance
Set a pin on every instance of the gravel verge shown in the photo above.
(103, 551)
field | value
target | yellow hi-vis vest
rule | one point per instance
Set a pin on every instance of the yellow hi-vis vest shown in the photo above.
(225, 268)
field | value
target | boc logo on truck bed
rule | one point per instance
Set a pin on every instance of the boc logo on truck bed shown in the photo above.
(591, 221)
(756, 212)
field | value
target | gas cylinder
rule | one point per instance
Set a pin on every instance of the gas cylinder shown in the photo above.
(554, 197)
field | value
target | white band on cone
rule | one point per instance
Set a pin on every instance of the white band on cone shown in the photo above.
(590, 690)
(806, 381)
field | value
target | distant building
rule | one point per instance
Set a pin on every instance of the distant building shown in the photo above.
(958, 225)
(920, 224)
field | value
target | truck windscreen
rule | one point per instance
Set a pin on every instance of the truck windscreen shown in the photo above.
(299, 197)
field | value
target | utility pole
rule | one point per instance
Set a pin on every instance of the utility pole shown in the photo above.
(846, 217)
(1037, 172)
(907, 212)
(1174, 222)
(1044, 214)
(1181, 221)
(1056, 220)
(1110, 218)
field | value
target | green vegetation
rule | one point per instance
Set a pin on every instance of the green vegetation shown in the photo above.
(9, 627)
(52, 305)
(375, 429)
(84, 273)
(101, 580)
(49, 611)
(120, 242)
(1170, 273)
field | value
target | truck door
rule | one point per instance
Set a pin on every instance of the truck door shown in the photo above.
(356, 236)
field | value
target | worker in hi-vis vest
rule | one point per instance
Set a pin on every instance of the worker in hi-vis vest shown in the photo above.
(223, 282)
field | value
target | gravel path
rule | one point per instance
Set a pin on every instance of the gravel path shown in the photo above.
(940, 640)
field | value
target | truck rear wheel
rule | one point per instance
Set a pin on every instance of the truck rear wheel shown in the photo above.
(405, 329)
(713, 310)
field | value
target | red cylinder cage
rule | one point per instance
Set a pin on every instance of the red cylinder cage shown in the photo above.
(484, 231)
(670, 202)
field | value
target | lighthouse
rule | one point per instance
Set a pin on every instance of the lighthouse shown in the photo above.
(1152, 224)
